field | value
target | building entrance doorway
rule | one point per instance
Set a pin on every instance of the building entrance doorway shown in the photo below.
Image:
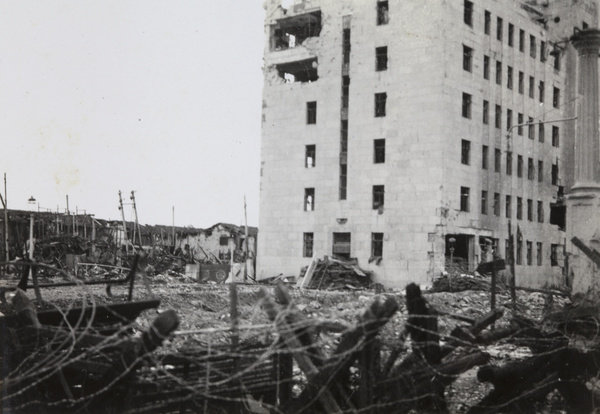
(460, 253)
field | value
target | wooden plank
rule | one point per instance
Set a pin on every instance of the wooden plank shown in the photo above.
(305, 281)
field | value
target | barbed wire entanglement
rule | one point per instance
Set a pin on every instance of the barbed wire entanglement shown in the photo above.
(393, 352)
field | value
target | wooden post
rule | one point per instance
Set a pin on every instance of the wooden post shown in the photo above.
(235, 336)
(137, 224)
(493, 287)
(93, 236)
(511, 261)
(124, 223)
(68, 214)
(173, 226)
(7, 251)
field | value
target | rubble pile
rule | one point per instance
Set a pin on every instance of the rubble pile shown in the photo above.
(335, 274)
(464, 282)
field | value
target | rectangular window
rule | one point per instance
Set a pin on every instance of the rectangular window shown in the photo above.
(378, 196)
(554, 174)
(376, 244)
(531, 87)
(465, 154)
(499, 24)
(509, 163)
(542, 51)
(556, 54)
(380, 101)
(509, 117)
(484, 202)
(508, 206)
(540, 212)
(498, 117)
(541, 132)
(509, 77)
(521, 40)
(486, 67)
(379, 151)
(498, 72)
(539, 253)
(342, 245)
(497, 162)
(556, 97)
(530, 129)
(307, 246)
(529, 209)
(521, 82)
(520, 124)
(309, 199)
(310, 156)
(484, 157)
(486, 112)
(487, 22)
(464, 198)
(467, 58)
(496, 204)
(555, 136)
(381, 58)
(468, 13)
(530, 169)
(540, 171)
(519, 166)
(511, 34)
(542, 91)
(554, 255)
(311, 112)
(382, 13)
(223, 241)
(519, 252)
(519, 208)
(529, 253)
(466, 105)
(532, 46)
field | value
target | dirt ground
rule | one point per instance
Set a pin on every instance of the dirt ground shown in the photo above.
(204, 313)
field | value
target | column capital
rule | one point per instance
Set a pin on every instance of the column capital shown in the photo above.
(586, 41)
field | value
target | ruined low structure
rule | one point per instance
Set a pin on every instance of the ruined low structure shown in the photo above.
(409, 135)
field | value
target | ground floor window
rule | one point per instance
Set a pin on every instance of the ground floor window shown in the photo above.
(341, 245)
(307, 250)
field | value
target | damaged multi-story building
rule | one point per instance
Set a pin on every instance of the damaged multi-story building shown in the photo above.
(409, 134)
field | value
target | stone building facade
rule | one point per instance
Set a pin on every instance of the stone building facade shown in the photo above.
(409, 134)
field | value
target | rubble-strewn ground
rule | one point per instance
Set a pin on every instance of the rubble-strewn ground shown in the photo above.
(204, 309)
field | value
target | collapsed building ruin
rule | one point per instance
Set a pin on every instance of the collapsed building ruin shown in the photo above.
(411, 137)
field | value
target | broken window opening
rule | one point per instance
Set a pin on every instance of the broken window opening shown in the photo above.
(554, 255)
(539, 253)
(378, 196)
(381, 58)
(519, 208)
(300, 71)
(379, 151)
(293, 31)
(383, 16)
(309, 199)
(307, 248)
(529, 253)
(380, 102)
(484, 202)
(310, 157)
(341, 245)
(464, 198)
(484, 157)
(497, 204)
(376, 246)
(311, 112)
(465, 156)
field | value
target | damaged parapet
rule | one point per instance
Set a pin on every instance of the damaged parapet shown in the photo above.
(290, 44)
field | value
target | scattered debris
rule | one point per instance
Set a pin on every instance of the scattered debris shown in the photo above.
(334, 274)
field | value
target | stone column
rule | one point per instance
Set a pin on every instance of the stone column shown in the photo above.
(583, 198)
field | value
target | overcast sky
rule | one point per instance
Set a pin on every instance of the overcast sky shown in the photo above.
(160, 97)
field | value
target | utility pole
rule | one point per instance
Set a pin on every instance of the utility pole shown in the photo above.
(137, 224)
(124, 223)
